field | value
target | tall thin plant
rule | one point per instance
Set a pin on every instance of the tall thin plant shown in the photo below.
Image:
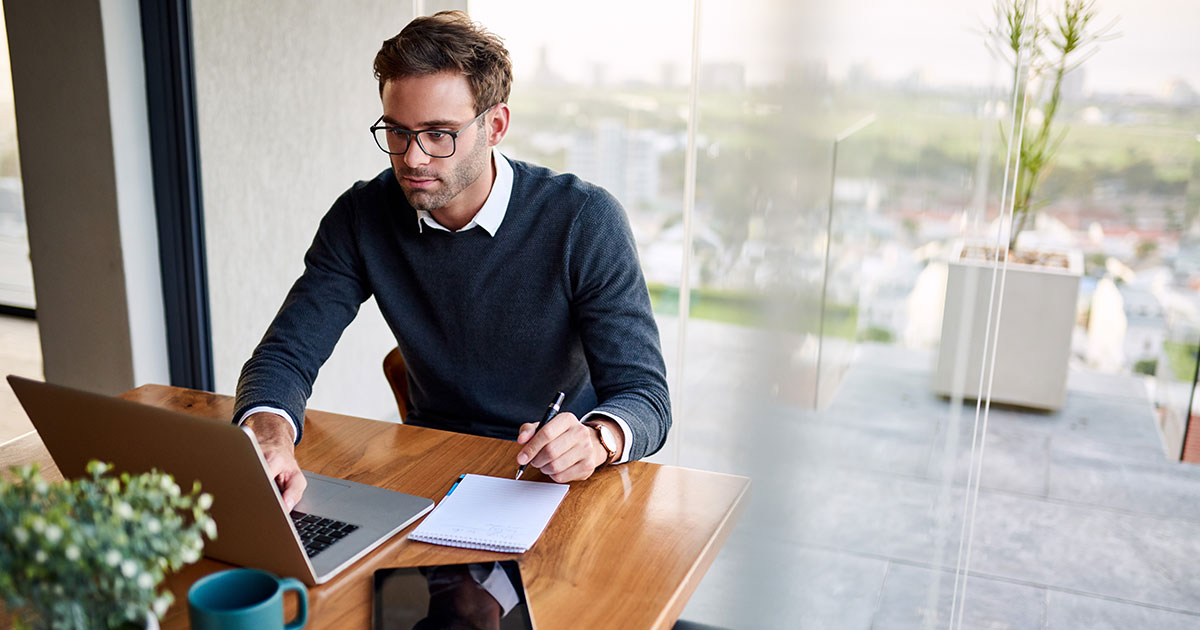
(1041, 50)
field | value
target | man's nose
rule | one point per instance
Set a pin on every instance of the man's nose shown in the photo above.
(415, 156)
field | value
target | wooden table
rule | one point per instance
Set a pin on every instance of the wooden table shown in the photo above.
(625, 550)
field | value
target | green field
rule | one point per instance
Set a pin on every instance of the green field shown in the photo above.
(757, 310)
(1152, 146)
(1181, 357)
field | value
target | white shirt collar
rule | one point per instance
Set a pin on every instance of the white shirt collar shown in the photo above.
(491, 215)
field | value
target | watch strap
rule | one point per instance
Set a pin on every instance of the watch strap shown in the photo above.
(610, 452)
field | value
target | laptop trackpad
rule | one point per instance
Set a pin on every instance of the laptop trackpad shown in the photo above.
(321, 495)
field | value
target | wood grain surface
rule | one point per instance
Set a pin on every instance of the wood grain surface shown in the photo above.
(625, 550)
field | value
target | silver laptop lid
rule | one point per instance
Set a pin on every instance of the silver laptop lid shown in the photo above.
(252, 526)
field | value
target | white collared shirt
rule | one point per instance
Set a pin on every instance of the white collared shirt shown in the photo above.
(489, 217)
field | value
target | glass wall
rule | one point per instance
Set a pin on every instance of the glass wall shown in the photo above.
(801, 178)
(777, 224)
(617, 118)
(823, 170)
(16, 276)
(20, 351)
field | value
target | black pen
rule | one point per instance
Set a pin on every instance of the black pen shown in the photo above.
(551, 411)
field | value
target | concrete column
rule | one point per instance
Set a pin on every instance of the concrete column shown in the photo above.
(79, 92)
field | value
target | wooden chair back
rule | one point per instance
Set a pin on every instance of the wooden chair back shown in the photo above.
(397, 377)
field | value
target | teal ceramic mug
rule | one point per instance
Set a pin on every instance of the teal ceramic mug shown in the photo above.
(244, 599)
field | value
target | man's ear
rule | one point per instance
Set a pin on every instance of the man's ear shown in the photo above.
(497, 125)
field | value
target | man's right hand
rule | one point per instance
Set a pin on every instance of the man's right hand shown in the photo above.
(274, 436)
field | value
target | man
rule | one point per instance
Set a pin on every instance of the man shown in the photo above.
(503, 282)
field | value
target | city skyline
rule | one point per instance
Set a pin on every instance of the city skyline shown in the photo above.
(941, 41)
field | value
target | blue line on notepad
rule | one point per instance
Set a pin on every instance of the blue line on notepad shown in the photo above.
(460, 478)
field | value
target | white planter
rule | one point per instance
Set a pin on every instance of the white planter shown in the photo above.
(1036, 319)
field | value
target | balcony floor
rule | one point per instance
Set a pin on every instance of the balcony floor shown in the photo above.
(855, 515)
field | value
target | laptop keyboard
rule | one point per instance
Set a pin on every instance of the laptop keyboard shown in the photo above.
(318, 533)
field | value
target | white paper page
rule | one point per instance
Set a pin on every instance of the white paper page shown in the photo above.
(492, 513)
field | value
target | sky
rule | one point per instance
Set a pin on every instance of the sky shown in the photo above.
(1159, 40)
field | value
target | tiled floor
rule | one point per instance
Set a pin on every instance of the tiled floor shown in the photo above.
(20, 354)
(855, 514)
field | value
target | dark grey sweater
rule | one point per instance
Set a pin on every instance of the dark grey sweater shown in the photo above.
(491, 327)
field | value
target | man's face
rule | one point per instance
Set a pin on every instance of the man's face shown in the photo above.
(444, 102)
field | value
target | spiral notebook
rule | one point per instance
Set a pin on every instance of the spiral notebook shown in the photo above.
(491, 513)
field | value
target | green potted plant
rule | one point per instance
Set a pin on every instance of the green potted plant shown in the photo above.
(92, 552)
(1022, 351)
(1040, 53)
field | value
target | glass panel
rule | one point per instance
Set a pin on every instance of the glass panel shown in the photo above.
(853, 495)
(1188, 266)
(20, 349)
(16, 274)
(617, 117)
(1190, 447)
(1076, 477)
(853, 200)
(1174, 370)
(854, 511)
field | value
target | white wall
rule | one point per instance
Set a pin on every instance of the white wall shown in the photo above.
(285, 96)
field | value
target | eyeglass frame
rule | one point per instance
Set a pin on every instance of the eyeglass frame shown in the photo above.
(417, 134)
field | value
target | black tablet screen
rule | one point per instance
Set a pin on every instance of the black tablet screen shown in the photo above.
(451, 596)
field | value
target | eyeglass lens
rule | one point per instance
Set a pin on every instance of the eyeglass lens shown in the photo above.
(435, 143)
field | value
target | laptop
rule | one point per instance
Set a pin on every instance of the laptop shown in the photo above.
(334, 524)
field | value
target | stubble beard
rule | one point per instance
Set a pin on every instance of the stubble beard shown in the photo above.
(452, 183)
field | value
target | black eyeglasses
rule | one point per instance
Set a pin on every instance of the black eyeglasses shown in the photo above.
(434, 142)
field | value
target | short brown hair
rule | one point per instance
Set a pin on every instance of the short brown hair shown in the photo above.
(449, 40)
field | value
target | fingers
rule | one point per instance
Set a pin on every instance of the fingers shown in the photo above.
(283, 468)
(572, 466)
(293, 488)
(286, 472)
(527, 430)
(560, 454)
(564, 450)
(537, 441)
(578, 472)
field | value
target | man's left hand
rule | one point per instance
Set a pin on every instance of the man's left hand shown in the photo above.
(565, 449)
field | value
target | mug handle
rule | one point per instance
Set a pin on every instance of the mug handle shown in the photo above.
(292, 584)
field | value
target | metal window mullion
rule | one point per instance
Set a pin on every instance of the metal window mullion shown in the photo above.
(170, 94)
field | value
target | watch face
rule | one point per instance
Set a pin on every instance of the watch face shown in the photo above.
(607, 439)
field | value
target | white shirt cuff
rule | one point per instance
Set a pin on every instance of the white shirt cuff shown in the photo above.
(628, 442)
(496, 583)
(275, 410)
